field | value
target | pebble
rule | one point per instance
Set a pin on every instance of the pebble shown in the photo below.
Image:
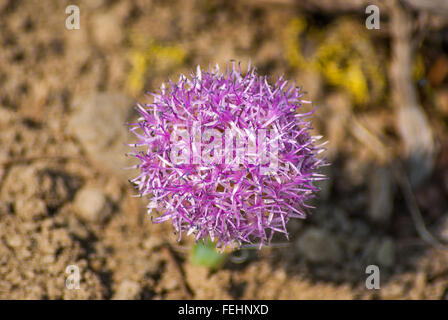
(318, 246)
(14, 240)
(91, 204)
(21, 182)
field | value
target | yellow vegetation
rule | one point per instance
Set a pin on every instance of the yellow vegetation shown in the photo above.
(345, 56)
(152, 55)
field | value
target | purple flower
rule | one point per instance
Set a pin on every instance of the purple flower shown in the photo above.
(226, 156)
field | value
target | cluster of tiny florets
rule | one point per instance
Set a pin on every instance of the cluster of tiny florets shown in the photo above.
(218, 200)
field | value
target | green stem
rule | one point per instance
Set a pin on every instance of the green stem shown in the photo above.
(204, 253)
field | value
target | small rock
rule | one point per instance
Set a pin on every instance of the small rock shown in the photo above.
(380, 196)
(14, 240)
(386, 253)
(318, 246)
(21, 181)
(91, 204)
(127, 290)
(99, 124)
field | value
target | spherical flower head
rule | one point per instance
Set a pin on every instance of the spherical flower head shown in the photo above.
(226, 156)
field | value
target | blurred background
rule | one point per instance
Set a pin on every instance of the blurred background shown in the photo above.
(382, 103)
